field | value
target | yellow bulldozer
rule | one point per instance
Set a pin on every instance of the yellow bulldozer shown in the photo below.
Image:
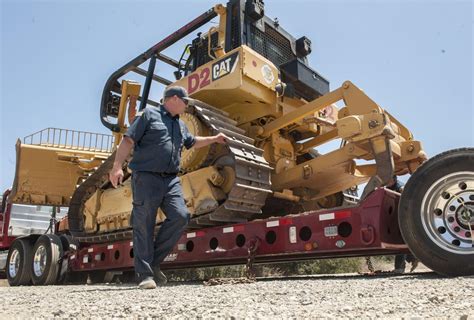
(250, 79)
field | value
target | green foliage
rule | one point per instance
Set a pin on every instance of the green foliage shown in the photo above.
(322, 266)
(200, 274)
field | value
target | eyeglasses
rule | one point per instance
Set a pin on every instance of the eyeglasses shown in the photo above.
(184, 101)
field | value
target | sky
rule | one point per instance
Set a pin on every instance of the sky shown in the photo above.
(414, 58)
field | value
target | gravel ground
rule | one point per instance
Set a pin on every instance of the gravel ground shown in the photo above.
(418, 295)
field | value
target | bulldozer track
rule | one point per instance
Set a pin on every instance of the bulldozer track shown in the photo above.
(252, 172)
(245, 199)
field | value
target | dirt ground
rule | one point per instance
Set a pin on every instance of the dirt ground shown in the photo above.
(418, 295)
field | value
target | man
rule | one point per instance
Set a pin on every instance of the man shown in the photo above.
(401, 259)
(157, 136)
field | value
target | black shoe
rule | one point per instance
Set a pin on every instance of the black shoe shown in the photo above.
(399, 271)
(159, 276)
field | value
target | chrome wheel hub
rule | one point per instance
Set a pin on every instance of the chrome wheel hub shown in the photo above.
(448, 212)
(39, 261)
(14, 264)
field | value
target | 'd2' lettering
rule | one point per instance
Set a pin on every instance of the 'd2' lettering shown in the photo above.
(198, 81)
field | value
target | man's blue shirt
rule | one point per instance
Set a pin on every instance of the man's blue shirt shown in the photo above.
(159, 138)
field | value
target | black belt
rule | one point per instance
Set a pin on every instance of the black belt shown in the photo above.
(166, 174)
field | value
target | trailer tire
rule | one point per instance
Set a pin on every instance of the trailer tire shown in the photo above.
(18, 268)
(436, 213)
(47, 255)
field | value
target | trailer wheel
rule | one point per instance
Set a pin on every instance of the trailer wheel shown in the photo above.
(436, 213)
(18, 263)
(47, 254)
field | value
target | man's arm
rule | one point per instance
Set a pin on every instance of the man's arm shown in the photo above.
(204, 141)
(132, 108)
(134, 133)
(123, 151)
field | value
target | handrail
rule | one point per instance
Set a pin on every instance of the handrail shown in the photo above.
(71, 140)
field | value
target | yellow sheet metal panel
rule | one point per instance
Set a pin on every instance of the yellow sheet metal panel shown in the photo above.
(90, 212)
(259, 69)
(111, 209)
(200, 195)
(241, 83)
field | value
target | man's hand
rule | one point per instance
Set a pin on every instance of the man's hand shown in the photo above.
(123, 151)
(205, 141)
(220, 138)
(116, 176)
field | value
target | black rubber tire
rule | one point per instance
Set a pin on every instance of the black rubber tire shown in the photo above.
(429, 253)
(54, 253)
(23, 276)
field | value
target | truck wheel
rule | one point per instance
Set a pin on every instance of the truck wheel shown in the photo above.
(436, 213)
(18, 263)
(47, 253)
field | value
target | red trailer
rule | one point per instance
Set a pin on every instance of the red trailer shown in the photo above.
(368, 228)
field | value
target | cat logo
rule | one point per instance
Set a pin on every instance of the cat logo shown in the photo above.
(225, 66)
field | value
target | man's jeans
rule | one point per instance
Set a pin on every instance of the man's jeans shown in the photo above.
(150, 192)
